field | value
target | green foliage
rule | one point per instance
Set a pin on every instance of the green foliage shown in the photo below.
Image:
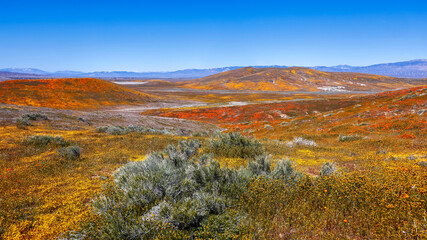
(200, 134)
(70, 153)
(372, 204)
(235, 145)
(344, 138)
(408, 96)
(113, 130)
(285, 170)
(120, 130)
(328, 169)
(175, 194)
(422, 163)
(35, 116)
(261, 166)
(45, 140)
(24, 121)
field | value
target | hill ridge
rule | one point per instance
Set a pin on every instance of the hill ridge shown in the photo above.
(298, 79)
(69, 93)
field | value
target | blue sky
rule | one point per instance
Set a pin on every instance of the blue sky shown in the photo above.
(170, 35)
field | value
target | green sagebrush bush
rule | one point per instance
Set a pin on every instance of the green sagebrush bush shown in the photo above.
(176, 194)
(70, 153)
(24, 121)
(344, 138)
(328, 169)
(35, 116)
(120, 130)
(45, 140)
(235, 145)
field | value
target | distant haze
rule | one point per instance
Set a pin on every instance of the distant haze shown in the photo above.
(407, 69)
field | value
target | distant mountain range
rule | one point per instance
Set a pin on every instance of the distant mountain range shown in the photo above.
(16, 75)
(407, 69)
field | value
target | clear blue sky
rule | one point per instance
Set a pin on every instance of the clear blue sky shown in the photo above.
(169, 35)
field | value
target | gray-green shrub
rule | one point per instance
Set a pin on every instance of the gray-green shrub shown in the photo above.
(235, 145)
(70, 153)
(45, 140)
(285, 169)
(120, 130)
(35, 116)
(345, 138)
(328, 169)
(174, 194)
(24, 121)
(113, 130)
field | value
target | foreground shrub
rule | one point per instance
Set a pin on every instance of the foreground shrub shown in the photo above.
(235, 145)
(174, 194)
(70, 153)
(45, 140)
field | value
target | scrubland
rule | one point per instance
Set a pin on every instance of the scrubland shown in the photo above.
(332, 168)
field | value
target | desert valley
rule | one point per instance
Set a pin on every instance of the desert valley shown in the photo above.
(250, 153)
(213, 120)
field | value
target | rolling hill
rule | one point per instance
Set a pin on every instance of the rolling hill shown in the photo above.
(298, 79)
(403, 111)
(70, 93)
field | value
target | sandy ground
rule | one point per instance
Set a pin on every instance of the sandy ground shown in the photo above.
(119, 116)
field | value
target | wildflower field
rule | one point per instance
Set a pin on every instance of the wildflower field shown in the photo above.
(44, 194)
(332, 168)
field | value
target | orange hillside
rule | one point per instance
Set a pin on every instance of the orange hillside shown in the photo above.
(298, 79)
(70, 93)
